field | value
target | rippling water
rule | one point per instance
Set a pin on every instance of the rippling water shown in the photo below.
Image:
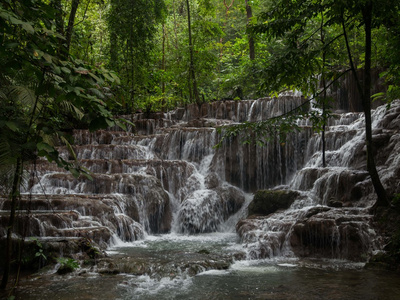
(282, 278)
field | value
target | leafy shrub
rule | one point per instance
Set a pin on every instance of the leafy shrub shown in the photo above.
(67, 265)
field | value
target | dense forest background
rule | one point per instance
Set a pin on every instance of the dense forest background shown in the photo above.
(173, 52)
(231, 49)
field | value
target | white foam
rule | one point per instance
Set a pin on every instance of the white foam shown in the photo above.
(287, 265)
(213, 273)
(146, 286)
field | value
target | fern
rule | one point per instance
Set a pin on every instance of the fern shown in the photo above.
(68, 107)
(23, 95)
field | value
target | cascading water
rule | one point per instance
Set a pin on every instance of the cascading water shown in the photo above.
(168, 179)
(173, 177)
(331, 217)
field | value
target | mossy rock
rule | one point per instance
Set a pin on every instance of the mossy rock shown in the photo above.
(65, 270)
(203, 251)
(266, 202)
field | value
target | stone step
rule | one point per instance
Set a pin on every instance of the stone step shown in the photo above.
(99, 223)
(116, 174)
(122, 183)
(334, 140)
(33, 212)
(338, 184)
(86, 137)
(83, 204)
(129, 166)
(107, 151)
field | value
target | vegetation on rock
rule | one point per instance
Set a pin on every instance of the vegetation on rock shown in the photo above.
(266, 202)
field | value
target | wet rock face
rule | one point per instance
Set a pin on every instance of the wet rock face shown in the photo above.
(232, 199)
(343, 185)
(140, 197)
(261, 238)
(190, 264)
(252, 167)
(266, 202)
(205, 210)
(388, 149)
(316, 232)
(159, 212)
(334, 233)
(93, 217)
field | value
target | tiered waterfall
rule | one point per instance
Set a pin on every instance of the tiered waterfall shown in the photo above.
(165, 175)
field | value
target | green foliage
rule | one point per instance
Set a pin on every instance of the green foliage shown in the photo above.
(33, 255)
(132, 27)
(44, 97)
(146, 44)
(389, 44)
(68, 262)
(67, 265)
(306, 46)
(40, 254)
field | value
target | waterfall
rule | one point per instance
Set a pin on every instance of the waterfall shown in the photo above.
(330, 218)
(167, 176)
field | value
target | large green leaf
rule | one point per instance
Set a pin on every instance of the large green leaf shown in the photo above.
(12, 125)
(42, 146)
(28, 27)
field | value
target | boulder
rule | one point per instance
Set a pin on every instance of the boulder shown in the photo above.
(266, 202)
(334, 233)
(232, 199)
(320, 231)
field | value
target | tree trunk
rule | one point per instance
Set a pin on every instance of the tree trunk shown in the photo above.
(132, 57)
(176, 44)
(114, 51)
(14, 199)
(227, 7)
(365, 92)
(366, 103)
(59, 21)
(70, 27)
(249, 13)
(192, 69)
(163, 66)
(324, 92)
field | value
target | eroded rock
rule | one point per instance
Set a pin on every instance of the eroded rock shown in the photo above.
(206, 210)
(266, 202)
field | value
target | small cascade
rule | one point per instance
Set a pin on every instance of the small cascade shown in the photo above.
(166, 176)
(252, 167)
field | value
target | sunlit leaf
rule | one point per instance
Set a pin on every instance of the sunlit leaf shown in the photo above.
(28, 27)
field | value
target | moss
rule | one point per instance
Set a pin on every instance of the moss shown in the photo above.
(266, 202)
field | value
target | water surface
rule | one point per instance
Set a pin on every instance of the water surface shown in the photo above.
(278, 278)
